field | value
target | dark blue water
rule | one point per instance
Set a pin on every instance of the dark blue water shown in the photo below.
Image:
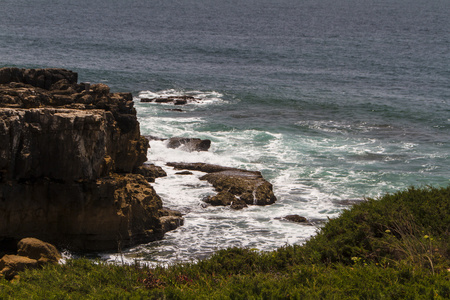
(332, 100)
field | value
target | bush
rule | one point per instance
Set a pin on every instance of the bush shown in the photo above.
(394, 227)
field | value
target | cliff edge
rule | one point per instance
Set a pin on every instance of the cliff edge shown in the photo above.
(70, 155)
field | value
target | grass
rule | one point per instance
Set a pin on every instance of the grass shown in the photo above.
(395, 247)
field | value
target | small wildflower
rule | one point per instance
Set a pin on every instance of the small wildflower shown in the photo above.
(356, 259)
(388, 231)
(426, 236)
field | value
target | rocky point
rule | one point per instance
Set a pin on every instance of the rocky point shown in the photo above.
(72, 164)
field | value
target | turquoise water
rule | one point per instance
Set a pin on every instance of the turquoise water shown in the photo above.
(331, 100)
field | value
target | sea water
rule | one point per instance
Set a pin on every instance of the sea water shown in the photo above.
(331, 100)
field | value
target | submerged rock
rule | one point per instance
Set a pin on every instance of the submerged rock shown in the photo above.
(296, 218)
(184, 173)
(66, 162)
(175, 100)
(203, 167)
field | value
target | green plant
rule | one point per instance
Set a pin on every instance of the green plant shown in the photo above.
(395, 247)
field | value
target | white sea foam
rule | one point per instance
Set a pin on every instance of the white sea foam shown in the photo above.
(200, 97)
(207, 228)
(312, 175)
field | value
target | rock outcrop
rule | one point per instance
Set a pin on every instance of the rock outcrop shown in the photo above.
(10, 265)
(235, 187)
(151, 172)
(36, 249)
(71, 160)
(32, 253)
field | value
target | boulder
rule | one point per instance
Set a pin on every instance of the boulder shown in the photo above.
(190, 144)
(32, 253)
(248, 187)
(38, 250)
(251, 188)
(10, 265)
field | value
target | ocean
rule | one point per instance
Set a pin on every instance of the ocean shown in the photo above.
(332, 100)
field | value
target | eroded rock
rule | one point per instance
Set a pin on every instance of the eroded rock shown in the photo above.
(42, 78)
(233, 185)
(150, 172)
(10, 265)
(68, 151)
(238, 204)
(247, 186)
(62, 144)
(223, 198)
(171, 219)
(36, 249)
(32, 253)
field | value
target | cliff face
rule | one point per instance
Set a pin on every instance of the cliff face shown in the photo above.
(67, 156)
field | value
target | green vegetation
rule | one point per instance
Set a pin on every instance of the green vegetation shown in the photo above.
(396, 247)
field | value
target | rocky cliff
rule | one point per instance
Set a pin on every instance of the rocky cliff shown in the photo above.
(69, 158)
